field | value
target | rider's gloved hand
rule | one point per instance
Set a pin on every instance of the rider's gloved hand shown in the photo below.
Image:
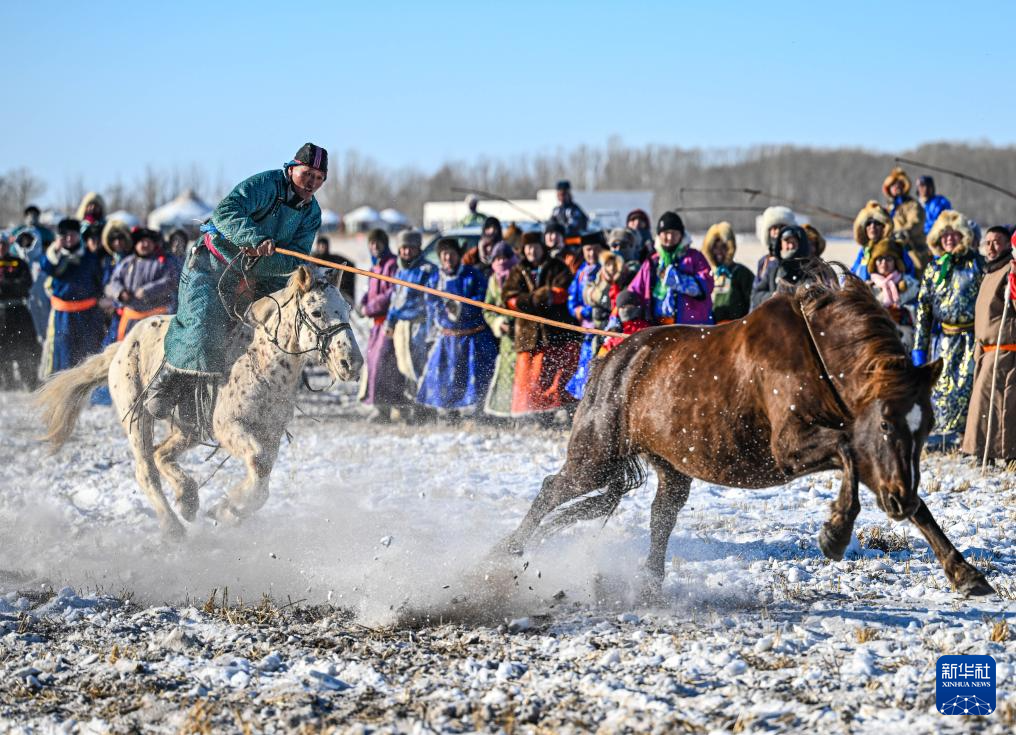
(266, 248)
(920, 357)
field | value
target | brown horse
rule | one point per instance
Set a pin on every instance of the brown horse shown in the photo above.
(813, 380)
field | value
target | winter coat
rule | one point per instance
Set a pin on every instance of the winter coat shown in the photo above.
(72, 333)
(571, 217)
(410, 305)
(381, 383)
(987, 318)
(259, 208)
(542, 291)
(499, 395)
(679, 307)
(581, 311)
(732, 282)
(947, 303)
(461, 363)
(152, 281)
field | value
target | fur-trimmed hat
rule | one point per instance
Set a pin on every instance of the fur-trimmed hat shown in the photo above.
(887, 248)
(409, 239)
(871, 211)
(620, 238)
(143, 233)
(818, 243)
(950, 219)
(722, 232)
(897, 174)
(532, 238)
(115, 228)
(89, 198)
(770, 217)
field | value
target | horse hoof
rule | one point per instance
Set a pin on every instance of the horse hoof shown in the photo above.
(189, 508)
(831, 548)
(976, 587)
(174, 531)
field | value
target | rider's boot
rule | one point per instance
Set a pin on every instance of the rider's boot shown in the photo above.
(166, 391)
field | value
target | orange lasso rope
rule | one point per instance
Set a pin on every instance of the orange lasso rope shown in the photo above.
(446, 295)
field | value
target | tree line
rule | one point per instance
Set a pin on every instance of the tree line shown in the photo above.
(837, 179)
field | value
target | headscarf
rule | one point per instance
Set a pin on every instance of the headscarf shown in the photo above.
(507, 258)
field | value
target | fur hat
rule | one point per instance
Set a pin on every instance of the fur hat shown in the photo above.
(722, 232)
(531, 238)
(620, 238)
(143, 233)
(409, 239)
(871, 210)
(818, 242)
(89, 198)
(887, 248)
(897, 174)
(610, 255)
(115, 228)
(950, 219)
(770, 217)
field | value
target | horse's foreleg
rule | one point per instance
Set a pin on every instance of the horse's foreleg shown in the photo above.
(184, 486)
(671, 495)
(963, 576)
(251, 493)
(140, 434)
(835, 534)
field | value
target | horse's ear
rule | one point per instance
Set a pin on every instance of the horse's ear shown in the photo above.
(302, 279)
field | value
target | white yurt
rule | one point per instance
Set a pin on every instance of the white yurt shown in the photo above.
(362, 219)
(187, 210)
(393, 219)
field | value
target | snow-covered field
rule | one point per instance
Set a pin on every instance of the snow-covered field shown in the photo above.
(386, 615)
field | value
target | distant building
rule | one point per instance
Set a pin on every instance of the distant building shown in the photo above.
(606, 209)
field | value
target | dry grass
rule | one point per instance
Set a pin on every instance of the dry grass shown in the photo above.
(864, 634)
(884, 539)
(999, 630)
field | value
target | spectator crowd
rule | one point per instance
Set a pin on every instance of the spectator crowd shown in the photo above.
(66, 294)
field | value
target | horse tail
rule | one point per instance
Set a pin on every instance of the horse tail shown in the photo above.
(63, 395)
(621, 476)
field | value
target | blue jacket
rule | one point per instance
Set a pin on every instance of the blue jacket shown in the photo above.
(932, 208)
(585, 274)
(445, 314)
(571, 217)
(74, 275)
(408, 304)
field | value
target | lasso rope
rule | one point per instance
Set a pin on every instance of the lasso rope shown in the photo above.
(451, 296)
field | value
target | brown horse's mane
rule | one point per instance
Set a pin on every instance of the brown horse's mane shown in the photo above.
(860, 336)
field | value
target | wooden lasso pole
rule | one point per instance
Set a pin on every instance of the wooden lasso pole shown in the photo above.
(445, 295)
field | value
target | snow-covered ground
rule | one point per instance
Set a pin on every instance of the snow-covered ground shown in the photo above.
(387, 615)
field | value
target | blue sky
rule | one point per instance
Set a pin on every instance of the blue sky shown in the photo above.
(102, 89)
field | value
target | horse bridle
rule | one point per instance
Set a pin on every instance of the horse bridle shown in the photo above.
(323, 336)
(837, 396)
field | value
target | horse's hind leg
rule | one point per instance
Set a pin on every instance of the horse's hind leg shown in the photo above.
(140, 433)
(251, 493)
(184, 486)
(671, 495)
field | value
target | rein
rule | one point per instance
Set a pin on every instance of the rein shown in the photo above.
(827, 374)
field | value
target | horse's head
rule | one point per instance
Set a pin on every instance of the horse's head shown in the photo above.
(888, 437)
(322, 321)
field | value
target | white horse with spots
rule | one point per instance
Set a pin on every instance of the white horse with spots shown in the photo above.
(308, 320)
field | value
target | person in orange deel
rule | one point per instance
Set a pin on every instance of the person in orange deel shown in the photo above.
(547, 356)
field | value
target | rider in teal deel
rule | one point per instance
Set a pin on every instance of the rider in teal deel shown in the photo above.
(219, 279)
